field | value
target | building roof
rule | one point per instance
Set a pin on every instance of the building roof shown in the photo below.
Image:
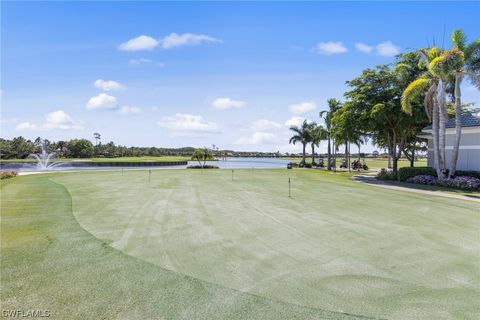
(468, 120)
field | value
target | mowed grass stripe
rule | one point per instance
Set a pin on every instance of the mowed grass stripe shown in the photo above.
(394, 254)
(50, 263)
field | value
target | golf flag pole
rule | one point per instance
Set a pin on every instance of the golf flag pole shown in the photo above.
(149, 174)
(289, 194)
(232, 174)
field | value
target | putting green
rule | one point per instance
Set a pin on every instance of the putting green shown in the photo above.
(241, 248)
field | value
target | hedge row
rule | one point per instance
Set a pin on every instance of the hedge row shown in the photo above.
(409, 172)
(468, 173)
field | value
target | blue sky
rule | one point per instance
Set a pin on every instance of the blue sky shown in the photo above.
(231, 74)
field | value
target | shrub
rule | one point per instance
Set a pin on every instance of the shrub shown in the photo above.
(308, 165)
(7, 174)
(207, 166)
(469, 173)
(461, 183)
(384, 174)
(423, 179)
(409, 172)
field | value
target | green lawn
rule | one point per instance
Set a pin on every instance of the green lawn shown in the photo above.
(119, 159)
(379, 163)
(197, 245)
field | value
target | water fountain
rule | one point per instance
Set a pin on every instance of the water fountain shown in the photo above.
(43, 158)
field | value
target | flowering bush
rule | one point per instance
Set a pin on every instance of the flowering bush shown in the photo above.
(467, 173)
(423, 179)
(462, 183)
(7, 174)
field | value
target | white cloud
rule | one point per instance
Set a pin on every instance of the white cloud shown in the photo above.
(54, 120)
(188, 123)
(331, 47)
(26, 126)
(139, 61)
(58, 118)
(176, 40)
(139, 43)
(8, 120)
(102, 101)
(301, 108)
(129, 110)
(294, 121)
(259, 137)
(227, 103)
(107, 85)
(143, 61)
(362, 47)
(263, 124)
(387, 49)
(172, 40)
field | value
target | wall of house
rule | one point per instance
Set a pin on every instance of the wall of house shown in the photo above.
(468, 156)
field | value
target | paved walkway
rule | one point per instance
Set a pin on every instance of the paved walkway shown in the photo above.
(371, 180)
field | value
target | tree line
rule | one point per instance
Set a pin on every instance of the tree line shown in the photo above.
(390, 104)
(21, 148)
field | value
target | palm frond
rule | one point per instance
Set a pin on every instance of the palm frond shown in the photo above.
(459, 39)
(472, 57)
(474, 78)
(447, 63)
(423, 53)
(296, 129)
(413, 90)
(295, 139)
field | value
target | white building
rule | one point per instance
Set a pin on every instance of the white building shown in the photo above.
(469, 152)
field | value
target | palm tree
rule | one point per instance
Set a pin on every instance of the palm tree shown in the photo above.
(302, 135)
(317, 134)
(434, 88)
(333, 105)
(463, 60)
(61, 147)
(345, 128)
(97, 137)
(202, 155)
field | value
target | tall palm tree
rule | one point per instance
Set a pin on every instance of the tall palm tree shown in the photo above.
(345, 128)
(97, 137)
(434, 88)
(461, 61)
(302, 135)
(317, 134)
(333, 105)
